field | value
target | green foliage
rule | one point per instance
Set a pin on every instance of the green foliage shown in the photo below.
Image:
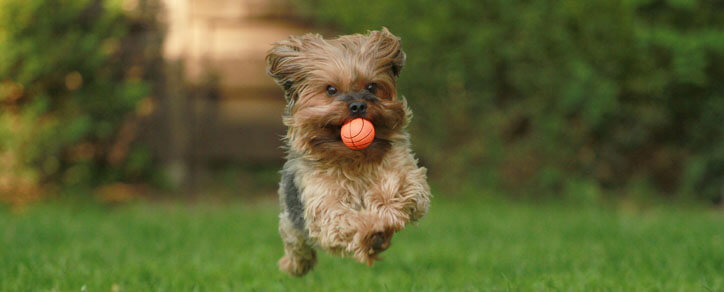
(528, 95)
(68, 81)
(462, 245)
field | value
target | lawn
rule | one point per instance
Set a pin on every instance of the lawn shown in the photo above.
(462, 245)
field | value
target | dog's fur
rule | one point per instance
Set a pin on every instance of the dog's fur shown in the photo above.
(343, 200)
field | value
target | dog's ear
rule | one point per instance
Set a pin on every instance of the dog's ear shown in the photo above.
(388, 48)
(285, 62)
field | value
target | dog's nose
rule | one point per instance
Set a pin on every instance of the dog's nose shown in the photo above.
(357, 107)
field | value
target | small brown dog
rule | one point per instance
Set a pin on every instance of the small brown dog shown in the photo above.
(343, 200)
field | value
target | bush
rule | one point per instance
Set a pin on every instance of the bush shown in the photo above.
(530, 95)
(69, 80)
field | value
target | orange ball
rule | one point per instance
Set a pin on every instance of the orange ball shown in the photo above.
(357, 134)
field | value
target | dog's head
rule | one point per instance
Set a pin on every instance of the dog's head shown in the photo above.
(329, 82)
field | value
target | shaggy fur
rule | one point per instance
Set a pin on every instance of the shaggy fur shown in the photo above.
(349, 202)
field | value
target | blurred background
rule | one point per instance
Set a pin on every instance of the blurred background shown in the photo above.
(570, 145)
(120, 100)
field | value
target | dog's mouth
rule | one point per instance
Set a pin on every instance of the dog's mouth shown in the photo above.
(329, 134)
(332, 134)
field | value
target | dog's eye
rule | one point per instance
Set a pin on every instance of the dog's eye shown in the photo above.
(372, 88)
(331, 90)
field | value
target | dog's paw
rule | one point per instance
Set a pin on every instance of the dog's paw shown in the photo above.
(370, 240)
(380, 241)
(297, 266)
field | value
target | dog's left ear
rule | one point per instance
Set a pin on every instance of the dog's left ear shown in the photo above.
(388, 48)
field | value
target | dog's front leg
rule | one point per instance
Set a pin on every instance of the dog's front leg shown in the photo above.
(399, 198)
(416, 194)
(339, 228)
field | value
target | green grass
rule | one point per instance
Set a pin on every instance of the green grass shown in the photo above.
(468, 245)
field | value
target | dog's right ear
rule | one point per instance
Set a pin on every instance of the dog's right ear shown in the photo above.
(284, 63)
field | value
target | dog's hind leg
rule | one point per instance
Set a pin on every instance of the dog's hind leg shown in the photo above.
(299, 257)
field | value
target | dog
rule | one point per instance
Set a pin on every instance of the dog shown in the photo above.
(349, 202)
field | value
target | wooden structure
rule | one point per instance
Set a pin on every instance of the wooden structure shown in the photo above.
(229, 39)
